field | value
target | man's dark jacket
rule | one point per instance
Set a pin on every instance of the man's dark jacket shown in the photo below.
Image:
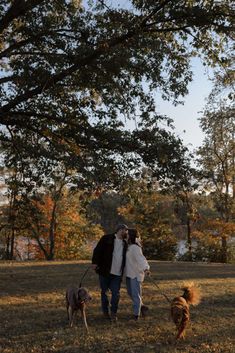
(103, 254)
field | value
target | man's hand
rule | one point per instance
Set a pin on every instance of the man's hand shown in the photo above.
(147, 272)
(94, 267)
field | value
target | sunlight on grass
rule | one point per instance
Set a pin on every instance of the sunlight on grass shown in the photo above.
(33, 314)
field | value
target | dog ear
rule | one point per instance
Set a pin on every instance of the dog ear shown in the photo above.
(84, 294)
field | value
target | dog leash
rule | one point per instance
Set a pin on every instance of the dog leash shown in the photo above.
(84, 274)
(156, 285)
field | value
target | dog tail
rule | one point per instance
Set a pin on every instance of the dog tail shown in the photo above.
(192, 293)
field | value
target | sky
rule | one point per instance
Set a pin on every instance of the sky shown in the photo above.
(186, 116)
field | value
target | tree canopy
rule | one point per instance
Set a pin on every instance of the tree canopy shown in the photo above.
(73, 73)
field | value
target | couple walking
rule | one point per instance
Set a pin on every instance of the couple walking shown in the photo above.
(116, 255)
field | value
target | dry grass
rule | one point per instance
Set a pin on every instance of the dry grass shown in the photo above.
(33, 316)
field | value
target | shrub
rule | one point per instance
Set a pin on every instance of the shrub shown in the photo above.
(160, 245)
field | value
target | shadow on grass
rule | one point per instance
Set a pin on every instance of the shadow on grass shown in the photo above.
(46, 277)
(43, 278)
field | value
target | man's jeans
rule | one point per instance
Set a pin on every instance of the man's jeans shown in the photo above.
(134, 289)
(113, 283)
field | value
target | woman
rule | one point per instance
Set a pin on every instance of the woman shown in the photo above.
(135, 270)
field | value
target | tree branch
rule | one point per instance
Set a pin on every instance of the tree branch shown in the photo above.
(155, 11)
(79, 63)
(34, 38)
(17, 9)
(8, 78)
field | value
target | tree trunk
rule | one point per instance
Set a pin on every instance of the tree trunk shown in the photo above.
(52, 233)
(7, 251)
(189, 240)
(12, 222)
(233, 167)
(12, 243)
(42, 248)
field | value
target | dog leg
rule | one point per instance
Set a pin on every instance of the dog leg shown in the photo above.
(67, 305)
(67, 308)
(181, 334)
(70, 316)
(84, 317)
(183, 323)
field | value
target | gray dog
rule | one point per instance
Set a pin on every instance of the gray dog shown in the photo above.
(76, 299)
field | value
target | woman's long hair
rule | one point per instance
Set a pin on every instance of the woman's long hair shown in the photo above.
(133, 237)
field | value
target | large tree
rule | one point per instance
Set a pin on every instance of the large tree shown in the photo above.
(217, 159)
(72, 73)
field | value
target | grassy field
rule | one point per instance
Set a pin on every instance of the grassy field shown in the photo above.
(33, 316)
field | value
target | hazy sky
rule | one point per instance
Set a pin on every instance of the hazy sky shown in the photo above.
(186, 116)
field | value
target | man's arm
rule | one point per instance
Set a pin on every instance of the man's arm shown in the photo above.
(97, 252)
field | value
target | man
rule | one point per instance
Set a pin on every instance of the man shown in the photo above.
(109, 261)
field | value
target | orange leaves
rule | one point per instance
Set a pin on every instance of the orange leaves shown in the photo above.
(60, 225)
(216, 228)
